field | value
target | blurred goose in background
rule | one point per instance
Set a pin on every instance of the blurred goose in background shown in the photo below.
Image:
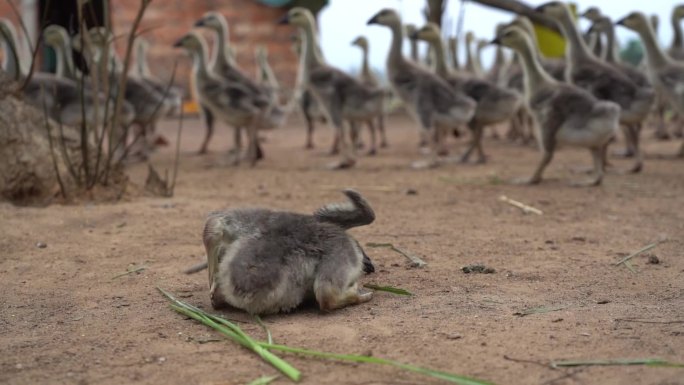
(61, 98)
(604, 25)
(434, 104)
(563, 113)
(232, 102)
(604, 81)
(666, 73)
(369, 78)
(494, 104)
(342, 96)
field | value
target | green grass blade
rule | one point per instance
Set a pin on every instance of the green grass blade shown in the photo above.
(453, 378)
(234, 332)
(539, 310)
(618, 362)
(265, 380)
(261, 323)
(389, 289)
(634, 254)
(132, 271)
(262, 348)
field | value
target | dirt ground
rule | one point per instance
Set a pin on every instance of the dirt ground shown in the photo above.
(65, 320)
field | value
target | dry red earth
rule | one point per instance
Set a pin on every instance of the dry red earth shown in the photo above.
(63, 319)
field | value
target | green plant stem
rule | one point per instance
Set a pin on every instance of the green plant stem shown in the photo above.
(380, 361)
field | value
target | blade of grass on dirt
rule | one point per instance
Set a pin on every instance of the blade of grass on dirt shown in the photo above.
(235, 333)
(131, 271)
(637, 361)
(265, 380)
(389, 289)
(539, 310)
(450, 377)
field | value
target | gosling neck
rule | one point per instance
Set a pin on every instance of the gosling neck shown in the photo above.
(302, 73)
(611, 52)
(312, 56)
(499, 58)
(394, 57)
(141, 68)
(535, 75)
(199, 62)
(11, 62)
(577, 49)
(414, 50)
(678, 36)
(441, 67)
(477, 61)
(654, 54)
(59, 60)
(470, 63)
(221, 59)
(365, 67)
(69, 66)
(453, 52)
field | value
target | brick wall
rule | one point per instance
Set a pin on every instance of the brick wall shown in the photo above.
(250, 24)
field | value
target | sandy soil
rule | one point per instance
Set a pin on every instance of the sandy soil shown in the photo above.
(63, 319)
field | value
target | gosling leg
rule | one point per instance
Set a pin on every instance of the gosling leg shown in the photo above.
(208, 118)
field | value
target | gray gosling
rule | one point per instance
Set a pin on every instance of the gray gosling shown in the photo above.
(563, 113)
(264, 261)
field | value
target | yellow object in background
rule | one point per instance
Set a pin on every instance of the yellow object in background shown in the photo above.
(552, 44)
(190, 108)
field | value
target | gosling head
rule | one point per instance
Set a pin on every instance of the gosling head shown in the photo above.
(592, 13)
(636, 21)
(212, 20)
(361, 42)
(523, 23)
(387, 17)
(55, 35)
(678, 12)
(512, 37)
(469, 37)
(601, 24)
(191, 42)
(554, 9)
(298, 16)
(429, 32)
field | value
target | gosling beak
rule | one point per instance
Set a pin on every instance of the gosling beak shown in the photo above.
(621, 22)
(373, 20)
(178, 43)
(413, 35)
(540, 8)
(495, 41)
(200, 23)
(285, 19)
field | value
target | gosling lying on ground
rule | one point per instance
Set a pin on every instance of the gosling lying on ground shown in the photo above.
(265, 261)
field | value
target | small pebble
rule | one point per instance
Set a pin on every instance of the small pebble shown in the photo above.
(41, 245)
(602, 301)
(19, 366)
(653, 259)
(411, 191)
(454, 336)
